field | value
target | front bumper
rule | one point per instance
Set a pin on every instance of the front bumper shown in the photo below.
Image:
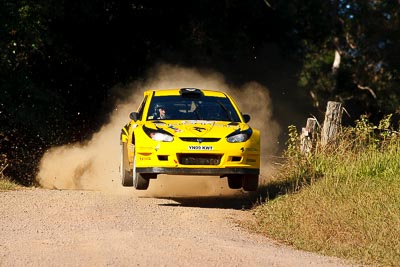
(183, 157)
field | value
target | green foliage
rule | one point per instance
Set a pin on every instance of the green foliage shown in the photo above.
(367, 36)
(351, 208)
(23, 34)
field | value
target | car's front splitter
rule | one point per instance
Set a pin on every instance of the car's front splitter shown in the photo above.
(199, 171)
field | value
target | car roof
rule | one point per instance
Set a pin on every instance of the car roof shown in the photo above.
(167, 92)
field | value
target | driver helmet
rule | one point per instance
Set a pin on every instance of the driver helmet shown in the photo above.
(158, 106)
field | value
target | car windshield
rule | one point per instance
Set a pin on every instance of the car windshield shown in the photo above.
(184, 108)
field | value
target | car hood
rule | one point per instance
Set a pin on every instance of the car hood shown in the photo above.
(198, 128)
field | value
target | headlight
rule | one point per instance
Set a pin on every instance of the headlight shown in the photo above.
(158, 134)
(239, 136)
(161, 137)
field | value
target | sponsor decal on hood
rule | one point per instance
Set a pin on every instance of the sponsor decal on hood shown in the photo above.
(199, 127)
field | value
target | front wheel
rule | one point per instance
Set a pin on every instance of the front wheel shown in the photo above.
(139, 182)
(125, 173)
(235, 181)
(250, 182)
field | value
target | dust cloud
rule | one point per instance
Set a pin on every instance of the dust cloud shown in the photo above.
(94, 165)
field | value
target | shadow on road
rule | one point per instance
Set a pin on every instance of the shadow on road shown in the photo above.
(221, 198)
(244, 202)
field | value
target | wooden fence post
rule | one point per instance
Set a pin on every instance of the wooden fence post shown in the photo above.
(332, 122)
(308, 136)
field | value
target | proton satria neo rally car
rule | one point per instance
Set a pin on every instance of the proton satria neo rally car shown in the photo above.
(189, 131)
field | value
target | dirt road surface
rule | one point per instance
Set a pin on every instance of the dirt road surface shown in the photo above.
(40, 227)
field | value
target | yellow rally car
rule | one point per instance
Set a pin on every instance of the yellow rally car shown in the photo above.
(189, 131)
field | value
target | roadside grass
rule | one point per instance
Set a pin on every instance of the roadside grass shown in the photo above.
(5, 182)
(341, 201)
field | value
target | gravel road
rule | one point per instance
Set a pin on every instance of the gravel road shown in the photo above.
(40, 227)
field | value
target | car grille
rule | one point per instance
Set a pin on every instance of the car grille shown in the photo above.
(199, 139)
(199, 159)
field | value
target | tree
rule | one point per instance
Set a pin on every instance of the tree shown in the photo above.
(348, 49)
(28, 111)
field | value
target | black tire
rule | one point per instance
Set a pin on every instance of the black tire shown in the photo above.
(139, 182)
(235, 181)
(125, 172)
(250, 182)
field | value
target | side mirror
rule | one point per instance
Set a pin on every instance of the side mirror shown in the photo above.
(246, 118)
(134, 116)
